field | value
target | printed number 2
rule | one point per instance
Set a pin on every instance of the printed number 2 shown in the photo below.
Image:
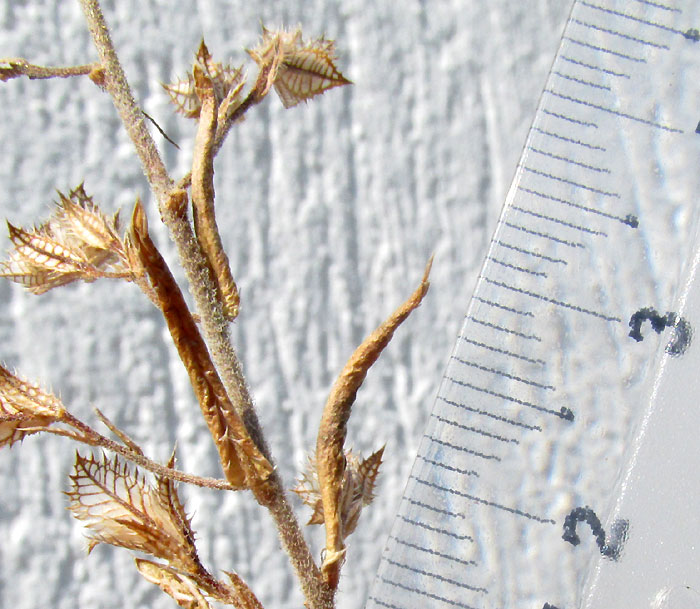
(610, 548)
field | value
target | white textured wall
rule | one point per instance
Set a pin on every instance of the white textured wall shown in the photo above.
(329, 212)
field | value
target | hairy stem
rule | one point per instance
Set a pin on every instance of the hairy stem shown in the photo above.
(213, 323)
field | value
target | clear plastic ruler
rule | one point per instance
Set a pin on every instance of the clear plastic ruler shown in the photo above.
(560, 464)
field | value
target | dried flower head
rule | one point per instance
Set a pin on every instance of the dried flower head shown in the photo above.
(24, 408)
(77, 243)
(227, 82)
(356, 492)
(300, 70)
(121, 509)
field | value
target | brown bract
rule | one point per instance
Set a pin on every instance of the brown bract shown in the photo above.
(331, 462)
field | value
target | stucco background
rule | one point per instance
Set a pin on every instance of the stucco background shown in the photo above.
(329, 212)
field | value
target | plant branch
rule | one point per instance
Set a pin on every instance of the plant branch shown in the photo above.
(213, 324)
(14, 67)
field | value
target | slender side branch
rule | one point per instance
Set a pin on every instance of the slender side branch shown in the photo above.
(14, 67)
(87, 435)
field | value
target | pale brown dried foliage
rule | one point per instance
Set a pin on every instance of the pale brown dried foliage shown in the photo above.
(118, 504)
(78, 243)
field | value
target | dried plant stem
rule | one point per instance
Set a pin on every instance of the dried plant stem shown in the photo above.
(87, 435)
(15, 67)
(213, 324)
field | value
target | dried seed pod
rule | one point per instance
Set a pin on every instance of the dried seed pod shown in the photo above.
(357, 489)
(78, 242)
(300, 70)
(25, 408)
(121, 509)
(227, 82)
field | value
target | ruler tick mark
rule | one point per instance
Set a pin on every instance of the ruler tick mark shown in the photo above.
(485, 412)
(515, 267)
(563, 413)
(451, 468)
(569, 119)
(424, 593)
(629, 220)
(529, 252)
(580, 81)
(441, 578)
(476, 453)
(503, 374)
(551, 176)
(568, 160)
(540, 362)
(482, 501)
(490, 303)
(570, 140)
(426, 526)
(610, 11)
(593, 47)
(481, 432)
(506, 330)
(415, 546)
(621, 34)
(535, 214)
(594, 67)
(631, 117)
(663, 7)
(530, 231)
(560, 303)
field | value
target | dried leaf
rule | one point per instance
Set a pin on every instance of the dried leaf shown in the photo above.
(121, 509)
(179, 586)
(330, 458)
(227, 82)
(243, 463)
(78, 242)
(24, 406)
(300, 70)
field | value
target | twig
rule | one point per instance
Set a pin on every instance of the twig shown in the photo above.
(213, 324)
(14, 67)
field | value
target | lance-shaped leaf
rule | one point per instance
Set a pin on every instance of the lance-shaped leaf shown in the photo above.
(78, 242)
(24, 408)
(183, 589)
(243, 463)
(300, 70)
(331, 464)
(357, 489)
(120, 508)
(226, 80)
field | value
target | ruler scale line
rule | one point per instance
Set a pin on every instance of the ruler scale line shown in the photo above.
(486, 412)
(492, 504)
(503, 374)
(560, 303)
(565, 414)
(482, 432)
